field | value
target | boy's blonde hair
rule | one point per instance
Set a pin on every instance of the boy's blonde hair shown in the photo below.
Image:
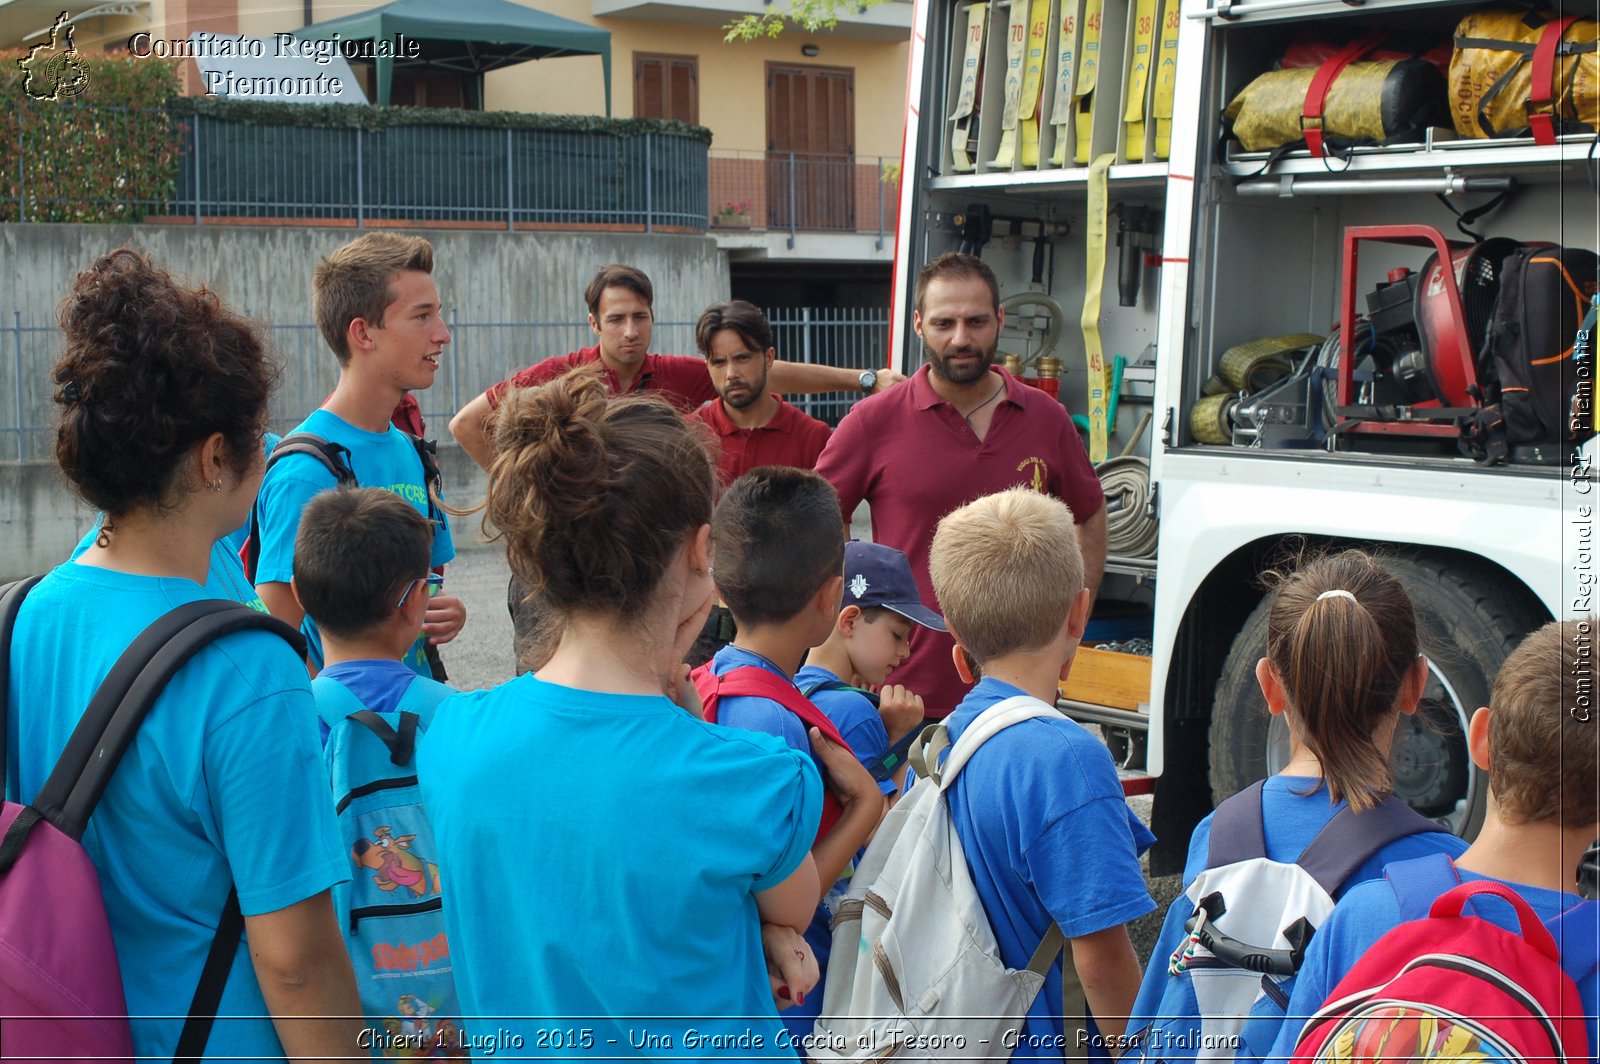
(1006, 570)
(355, 282)
(1543, 730)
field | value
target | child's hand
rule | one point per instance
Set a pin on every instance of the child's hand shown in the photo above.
(900, 709)
(846, 777)
(444, 618)
(791, 966)
(681, 690)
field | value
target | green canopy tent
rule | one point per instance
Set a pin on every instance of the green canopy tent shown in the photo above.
(465, 36)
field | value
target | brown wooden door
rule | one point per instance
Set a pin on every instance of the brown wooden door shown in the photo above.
(811, 143)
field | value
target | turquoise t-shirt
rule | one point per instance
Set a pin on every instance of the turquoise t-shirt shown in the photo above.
(225, 579)
(385, 460)
(224, 785)
(604, 853)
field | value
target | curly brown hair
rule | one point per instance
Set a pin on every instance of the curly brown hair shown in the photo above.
(152, 368)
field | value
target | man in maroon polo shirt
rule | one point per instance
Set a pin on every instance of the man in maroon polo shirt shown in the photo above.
(620, 299)
(755, 426)
(958, 429)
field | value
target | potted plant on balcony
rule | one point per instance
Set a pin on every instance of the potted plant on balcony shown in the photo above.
(735, 214)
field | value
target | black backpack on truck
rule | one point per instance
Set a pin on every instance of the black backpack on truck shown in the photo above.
(1526, 375)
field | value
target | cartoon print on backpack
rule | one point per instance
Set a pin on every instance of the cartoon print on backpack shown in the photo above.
(394, 864)
(416, 1031)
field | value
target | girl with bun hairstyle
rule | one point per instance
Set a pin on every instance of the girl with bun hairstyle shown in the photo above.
(163, 396)
(1342, 665)
(607, 854)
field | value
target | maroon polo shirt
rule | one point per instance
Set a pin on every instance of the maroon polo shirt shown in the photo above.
(682, 380)
(910, 455)
(791, 438)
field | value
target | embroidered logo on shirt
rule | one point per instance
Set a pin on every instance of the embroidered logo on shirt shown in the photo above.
(1037, 471)
(858, 585)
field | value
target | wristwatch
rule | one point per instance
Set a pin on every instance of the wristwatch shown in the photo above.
(869, 380)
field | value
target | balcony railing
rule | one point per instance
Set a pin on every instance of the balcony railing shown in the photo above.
(795, 192)
(203, 169)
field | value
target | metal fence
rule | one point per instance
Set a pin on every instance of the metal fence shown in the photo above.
(473, 175)
(804, 192)
(480, 354)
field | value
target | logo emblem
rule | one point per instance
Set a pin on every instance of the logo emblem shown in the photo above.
(858, 585)
(1036, 470)
(52, 73)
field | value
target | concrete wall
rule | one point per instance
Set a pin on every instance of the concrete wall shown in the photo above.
(483, 277)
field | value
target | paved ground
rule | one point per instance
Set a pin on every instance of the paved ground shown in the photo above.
(481, 657)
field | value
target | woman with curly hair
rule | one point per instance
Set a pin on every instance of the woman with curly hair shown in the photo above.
(163, 397)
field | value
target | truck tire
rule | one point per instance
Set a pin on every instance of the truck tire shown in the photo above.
(1468, 622)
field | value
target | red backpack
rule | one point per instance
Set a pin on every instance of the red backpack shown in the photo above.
(751, 681)
(1451, 986)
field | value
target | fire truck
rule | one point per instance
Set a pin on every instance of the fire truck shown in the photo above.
(1188, 296)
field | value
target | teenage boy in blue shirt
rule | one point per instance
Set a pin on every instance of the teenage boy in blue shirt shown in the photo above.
(1041, 816)
(378, 309)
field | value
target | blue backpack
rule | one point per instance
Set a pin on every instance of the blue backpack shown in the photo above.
(391, 911)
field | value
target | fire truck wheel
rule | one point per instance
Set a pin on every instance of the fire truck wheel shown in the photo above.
(1468, 622)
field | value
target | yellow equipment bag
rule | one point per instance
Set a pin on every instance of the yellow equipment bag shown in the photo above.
(1516, 71)
(1361, 93)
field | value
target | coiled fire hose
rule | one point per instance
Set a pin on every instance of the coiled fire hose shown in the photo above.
(1125, 482)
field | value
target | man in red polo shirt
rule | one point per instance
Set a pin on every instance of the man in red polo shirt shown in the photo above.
(959, 429)
(755, 426)
(620, 299)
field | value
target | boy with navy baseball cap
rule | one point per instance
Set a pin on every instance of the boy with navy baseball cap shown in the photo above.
(869, 638)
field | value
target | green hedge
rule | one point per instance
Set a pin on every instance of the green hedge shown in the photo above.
(67, 158)
(373, 119)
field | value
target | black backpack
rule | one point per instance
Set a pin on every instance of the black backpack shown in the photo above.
(335, 458)
(1527, 379)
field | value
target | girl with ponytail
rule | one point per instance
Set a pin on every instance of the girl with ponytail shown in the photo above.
(1342, 665)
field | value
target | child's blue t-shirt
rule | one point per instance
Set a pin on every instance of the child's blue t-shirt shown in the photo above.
(852, 713)
(862, 730)
(223, 786)
(385, 460)
(1030, 804)
(1370, 910)
(1294, 809)
(604, 854)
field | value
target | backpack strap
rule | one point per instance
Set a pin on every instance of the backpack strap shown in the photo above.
(1541, 94)
(991, 722)
(752, 681)
(432, 479)
(401, 742)
(11, 597)
(334, 700)
(1322, 81)
(1350, 840)
(1419, 882)
(333, 457)
(213, 979)
(839, 685)
(1237, 830)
